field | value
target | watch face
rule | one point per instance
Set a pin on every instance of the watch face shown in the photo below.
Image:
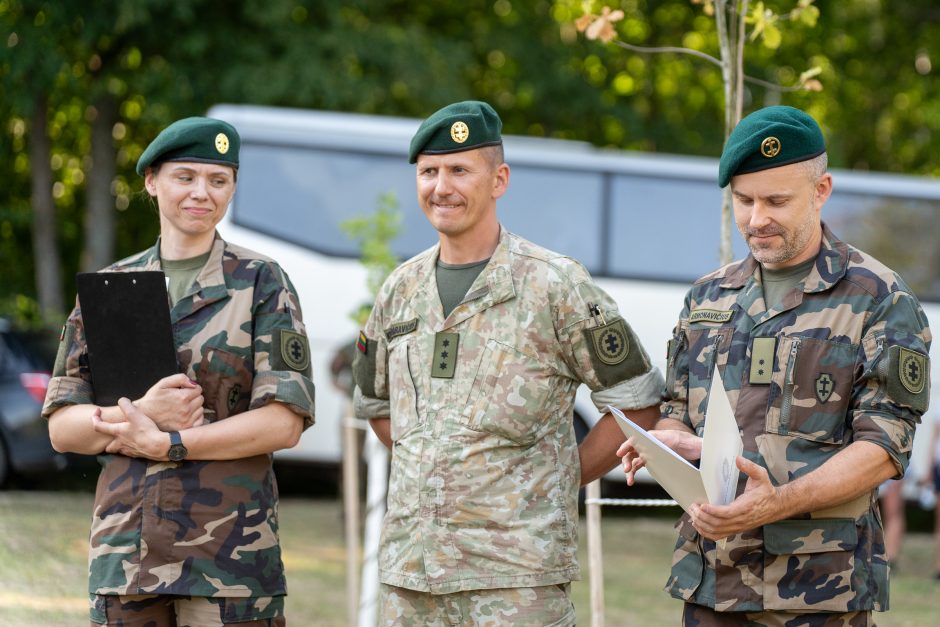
(177, 453)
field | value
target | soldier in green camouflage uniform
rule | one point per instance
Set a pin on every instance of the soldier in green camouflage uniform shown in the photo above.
(193, 541)
(479, 384)
(828, 378)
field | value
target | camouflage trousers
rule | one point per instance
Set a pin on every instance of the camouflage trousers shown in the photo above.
(542, 606)
(701, 616)
(155, 610)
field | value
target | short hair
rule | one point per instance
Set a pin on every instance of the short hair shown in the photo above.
(816, 166)
(494, 155)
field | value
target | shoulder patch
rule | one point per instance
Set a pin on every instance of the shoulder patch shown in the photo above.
(364, 365)
(611, 342)
(908, 377)
(710, 315)
(401, 328)
(912, 370)
(293, 351)
(615, 352)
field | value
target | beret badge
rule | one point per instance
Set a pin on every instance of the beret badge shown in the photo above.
(770, 147)
(221, 143)
(459, 132)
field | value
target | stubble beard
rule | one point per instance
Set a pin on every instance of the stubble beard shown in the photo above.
(794, 242)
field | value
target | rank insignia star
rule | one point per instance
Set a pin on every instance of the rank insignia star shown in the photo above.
(445, 355)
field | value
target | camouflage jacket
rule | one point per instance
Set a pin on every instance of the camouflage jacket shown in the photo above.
(200, 528)
(842, 359)
(485, 469)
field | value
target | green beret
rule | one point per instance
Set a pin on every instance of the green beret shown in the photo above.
(461, 126)
(770, 138)
(202, 140)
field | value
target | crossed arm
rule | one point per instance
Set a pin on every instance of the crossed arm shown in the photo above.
(139, 429)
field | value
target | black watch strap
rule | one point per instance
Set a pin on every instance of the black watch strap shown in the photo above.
(177, 452)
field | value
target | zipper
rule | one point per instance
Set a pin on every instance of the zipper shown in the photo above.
(882, 368)
(713, 359)
(788, 388)
(675, 347)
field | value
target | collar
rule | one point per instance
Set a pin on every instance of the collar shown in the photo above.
(492, 286)
(832, 262)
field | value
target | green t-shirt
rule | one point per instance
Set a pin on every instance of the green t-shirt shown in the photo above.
(777, 283)
(181, 274)
(453, 281)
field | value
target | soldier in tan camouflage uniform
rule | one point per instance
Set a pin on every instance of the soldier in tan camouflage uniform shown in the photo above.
(823, 351)
(185, 518)
(467, 369)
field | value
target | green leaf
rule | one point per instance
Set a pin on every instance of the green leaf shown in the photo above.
(772, 37)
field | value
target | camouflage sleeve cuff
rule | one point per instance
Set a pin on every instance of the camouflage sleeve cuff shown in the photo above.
(64, 391)
(288, 387)
(636, 393)
(366, 407)
(676, 410)
(894, 435)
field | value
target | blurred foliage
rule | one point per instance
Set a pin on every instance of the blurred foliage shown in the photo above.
(163, 60)
(375, 234)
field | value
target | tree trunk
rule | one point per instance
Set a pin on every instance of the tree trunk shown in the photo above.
(46, 260)
(729, 20)
(100, 213)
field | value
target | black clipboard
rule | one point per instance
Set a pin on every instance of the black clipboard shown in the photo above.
(127, 330)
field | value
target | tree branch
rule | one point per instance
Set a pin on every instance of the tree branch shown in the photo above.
(706, 57)
(654, 49)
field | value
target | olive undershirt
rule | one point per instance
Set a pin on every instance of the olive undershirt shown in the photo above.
(777, 283)
(181, 273)
(454, 279)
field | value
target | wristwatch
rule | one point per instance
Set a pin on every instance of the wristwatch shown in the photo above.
(177, 452)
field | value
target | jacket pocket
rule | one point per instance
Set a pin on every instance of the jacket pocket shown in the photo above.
(812, 388)
(226, 378)
(403, 397)
(688, 561)
(708, 349)
(674, 348)
(511, 395)
(809, 565)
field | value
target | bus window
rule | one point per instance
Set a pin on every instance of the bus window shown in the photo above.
(558, 209)
(902, 233)
(303, 195)
(666, 229)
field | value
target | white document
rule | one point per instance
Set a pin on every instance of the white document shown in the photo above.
(717, 479)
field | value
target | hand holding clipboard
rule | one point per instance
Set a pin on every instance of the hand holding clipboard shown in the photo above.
(126, 316)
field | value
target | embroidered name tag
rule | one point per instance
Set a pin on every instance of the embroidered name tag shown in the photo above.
(401, 328)
(710, 315)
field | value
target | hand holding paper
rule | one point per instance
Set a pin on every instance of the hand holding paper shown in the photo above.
(716, 479)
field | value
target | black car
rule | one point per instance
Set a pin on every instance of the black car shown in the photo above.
(24, 434)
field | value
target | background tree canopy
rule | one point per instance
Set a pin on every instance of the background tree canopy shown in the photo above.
(88, 84)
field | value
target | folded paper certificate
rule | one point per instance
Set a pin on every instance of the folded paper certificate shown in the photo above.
(126, 316)
(715, 481)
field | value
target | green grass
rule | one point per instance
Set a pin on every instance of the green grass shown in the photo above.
(43, 572)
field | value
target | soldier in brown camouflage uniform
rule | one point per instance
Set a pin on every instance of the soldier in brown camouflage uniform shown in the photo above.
(823, 352)
(473, 390)
(185, 518)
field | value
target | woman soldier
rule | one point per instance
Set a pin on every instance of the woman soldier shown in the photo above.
(184, 530)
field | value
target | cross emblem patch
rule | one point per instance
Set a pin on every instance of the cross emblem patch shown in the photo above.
(824, 385)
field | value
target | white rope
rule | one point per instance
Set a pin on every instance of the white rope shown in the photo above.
(632, 502)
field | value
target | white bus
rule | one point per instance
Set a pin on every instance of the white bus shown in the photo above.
(645, 225)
